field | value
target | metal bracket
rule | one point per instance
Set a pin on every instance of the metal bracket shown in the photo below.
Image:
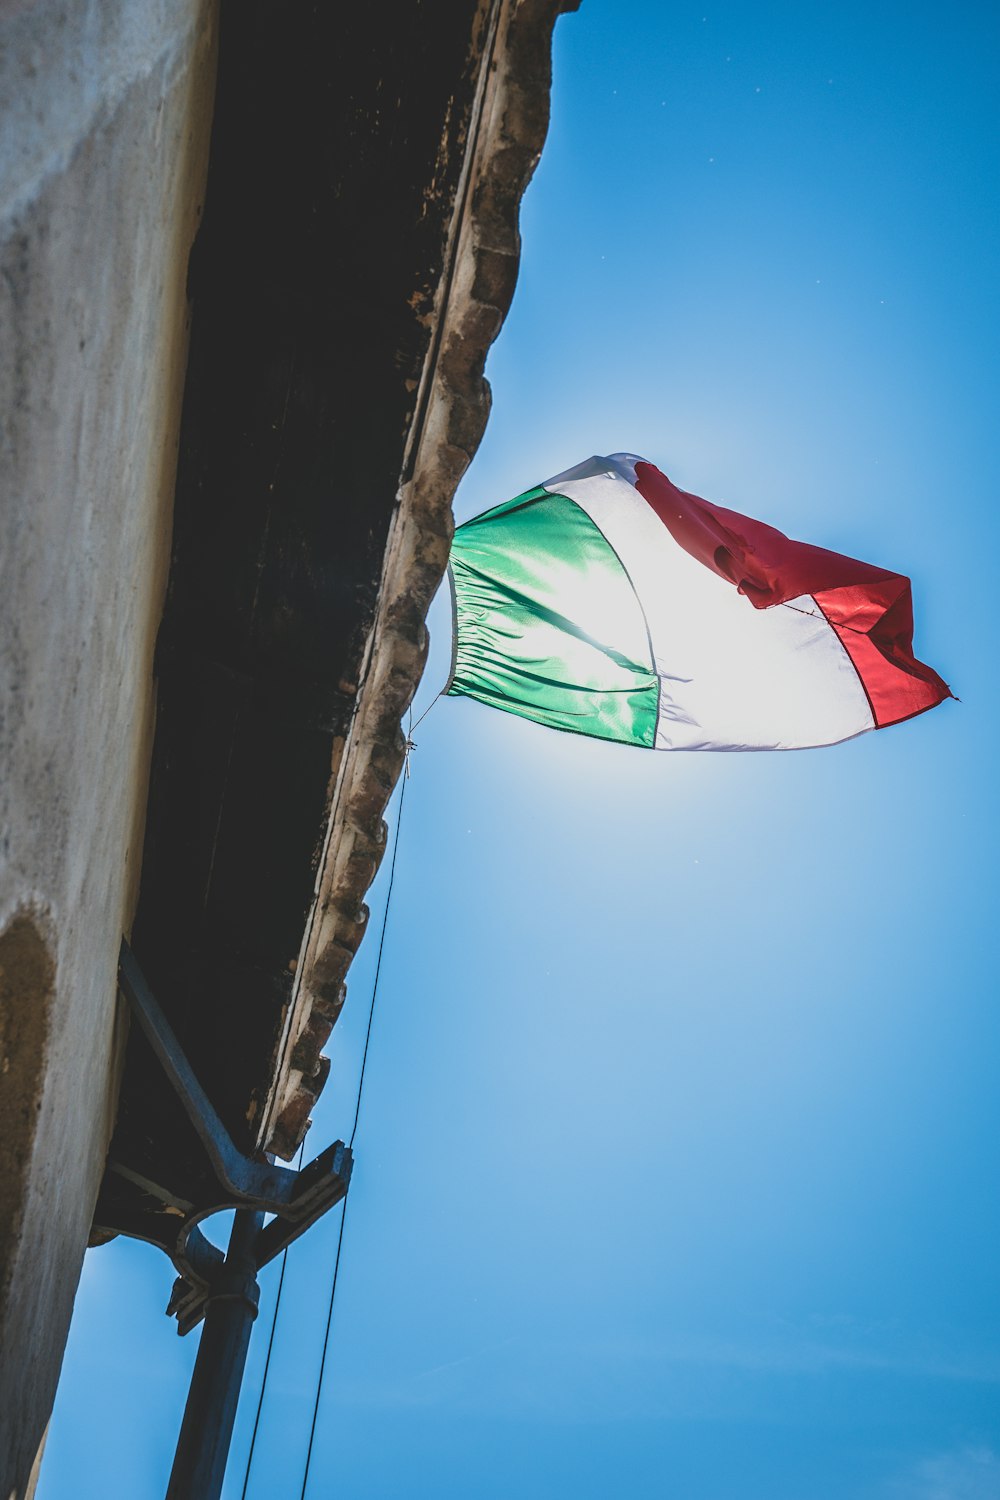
(296, 1199)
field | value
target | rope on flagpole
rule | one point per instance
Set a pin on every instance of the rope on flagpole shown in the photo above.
(326, 1344)
(357, 1115)
(381, 940)
(357, 1112)
(437, 696)
(267, 1359)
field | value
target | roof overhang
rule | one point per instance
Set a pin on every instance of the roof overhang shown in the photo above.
(358, 255)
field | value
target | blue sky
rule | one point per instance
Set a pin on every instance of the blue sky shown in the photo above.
(677, 1163)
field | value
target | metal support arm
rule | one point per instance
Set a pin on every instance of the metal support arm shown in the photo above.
(255, 1183)
(155, 1214)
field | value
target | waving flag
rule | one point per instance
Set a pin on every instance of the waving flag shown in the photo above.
(609, 602)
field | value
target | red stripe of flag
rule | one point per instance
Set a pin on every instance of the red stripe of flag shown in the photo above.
(870, 609)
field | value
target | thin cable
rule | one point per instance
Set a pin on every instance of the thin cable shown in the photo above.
(357, 1113)
(381, 941)
(426, 711)
(326, 1344)
(263, 1383)
(267, 1357)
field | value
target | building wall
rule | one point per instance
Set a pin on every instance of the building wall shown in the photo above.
(105, 108)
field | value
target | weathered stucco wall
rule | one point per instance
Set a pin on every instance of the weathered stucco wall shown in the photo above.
(105, 109)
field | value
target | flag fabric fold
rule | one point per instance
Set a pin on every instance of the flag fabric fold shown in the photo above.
(608, 602)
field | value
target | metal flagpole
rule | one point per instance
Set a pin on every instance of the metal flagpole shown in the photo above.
(207, 1429)
(221, 1289)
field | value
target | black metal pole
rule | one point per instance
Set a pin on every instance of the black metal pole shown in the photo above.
(207, 1429)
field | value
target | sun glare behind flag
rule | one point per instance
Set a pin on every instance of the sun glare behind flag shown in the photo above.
(610, 603)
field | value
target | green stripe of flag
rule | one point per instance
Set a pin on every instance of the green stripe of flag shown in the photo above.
(547, 622)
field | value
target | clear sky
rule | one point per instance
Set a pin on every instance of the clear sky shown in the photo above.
(678, 1158)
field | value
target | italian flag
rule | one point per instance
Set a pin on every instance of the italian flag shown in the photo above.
(608, 602)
